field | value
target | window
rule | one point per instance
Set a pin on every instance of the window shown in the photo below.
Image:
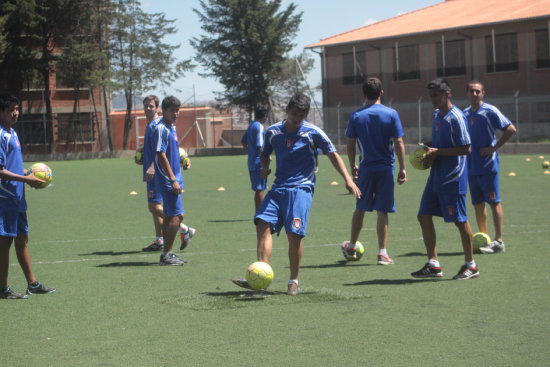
(505, 52)
(543, 48)
(406, 63)
(354, 71)
(80, 129)
(455, 59)
(31, 129)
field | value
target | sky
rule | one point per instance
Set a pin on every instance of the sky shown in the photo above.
(320, 19)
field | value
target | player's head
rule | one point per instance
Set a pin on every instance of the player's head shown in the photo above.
(150, 106)
(261, 110)
(300, 102)
(170, 109)
(476, 91)
(440, 92)
(9, 109)
(372, 88)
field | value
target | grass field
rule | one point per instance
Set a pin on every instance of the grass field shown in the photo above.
(115, 306)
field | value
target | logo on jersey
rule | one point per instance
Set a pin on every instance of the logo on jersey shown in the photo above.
(289, 143)
(297, 223)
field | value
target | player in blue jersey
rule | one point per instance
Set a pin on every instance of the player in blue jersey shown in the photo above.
(14, 226)
(252, 140)
(294, 142)
(375, 128)
(168, 177)
(483, 164)
(154, 198)
(445, 191)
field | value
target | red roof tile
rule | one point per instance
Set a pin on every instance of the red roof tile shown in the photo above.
(450, 14)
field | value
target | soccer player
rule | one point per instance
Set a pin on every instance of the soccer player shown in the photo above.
(14, 226)
(294, 142)
(376, 129)
(483, 164)
(445, 191)
(168, 177)
(154, 198)
(252, 140)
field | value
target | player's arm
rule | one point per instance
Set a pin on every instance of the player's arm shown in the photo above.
(400, 153)
(339, 165)
(352, 153)
(165, 165)
(150, 173)
(433, 153)
(506, 135)
(30, 179)
(264, 161)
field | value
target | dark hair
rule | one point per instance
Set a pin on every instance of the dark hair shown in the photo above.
(474, 82)
(372, 87)
(170, 101)
(152, 97)
(261, 110)
(6, 100)
(299, 101)
(441, 84)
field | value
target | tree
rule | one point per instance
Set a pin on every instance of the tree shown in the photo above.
(245, 46)
(292, 78)
(139, 58)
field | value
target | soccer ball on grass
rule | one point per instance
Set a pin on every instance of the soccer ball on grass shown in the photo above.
(259, 275)
(43, 172)
(480, 240)
(359, 251)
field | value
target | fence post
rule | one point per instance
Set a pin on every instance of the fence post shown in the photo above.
(516, 100)
(420, 119)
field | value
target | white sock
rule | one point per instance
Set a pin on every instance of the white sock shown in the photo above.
(293, 281)
(470, 264)
(159, 240)
(434, 263)
(183, 228)
(383, 251)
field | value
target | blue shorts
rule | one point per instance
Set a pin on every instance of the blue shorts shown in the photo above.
(153, 196)
(288, 207)
(452, 207)
(376, 190)
(13, 223)
(258, 183)
(484, 188)
(172, 204)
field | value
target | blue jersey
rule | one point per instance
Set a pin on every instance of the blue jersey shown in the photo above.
(149, 153)
(375, 126)
(483, 125)
(12, 193)
(165, 139)
(296, 153)
(450, 174)
(254, 139)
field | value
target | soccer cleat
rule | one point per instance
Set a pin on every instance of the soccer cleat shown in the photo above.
(39, 288)
(384, 260)
(466, 272)
(293, 289)
(243, 283)
(9, 293)
(493, 247)
(171, 259)
(348, 251)
(153, 247)
(186, 237)
(428, 271)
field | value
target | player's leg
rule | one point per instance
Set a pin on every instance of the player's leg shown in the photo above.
(258, 198)
(5, 244)
(22, 252)
(428, 234)
(295, 257)
(466, 239)
(154, 205)
(497, 212)
(156, 211)
(173, 216)
(481, 217)
(382, 233)
(265, 241)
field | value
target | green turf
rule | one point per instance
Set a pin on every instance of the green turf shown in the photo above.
(115, 306)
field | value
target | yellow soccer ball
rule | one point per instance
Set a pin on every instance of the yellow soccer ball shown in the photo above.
(416, 158)
(184, 158)
(480, 239)
(43, 172)
(359, 251)
(545, 164)
(259, 275)
(138, 158)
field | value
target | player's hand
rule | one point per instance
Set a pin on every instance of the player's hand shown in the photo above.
(402, 177)
(150, 173)
(33, 181)
(352, 188)
(176, 189)
(487, 151)
(187, 165)
(264, 173)
(355, 172)
(431, 156)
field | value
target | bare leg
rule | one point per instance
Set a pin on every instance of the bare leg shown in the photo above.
(382, 229)
(428, 233)
(170, 229)
(466, 238)
(5, 244)
(258, 198)
(294, 254)
(497, 220)
(356, 224)
(265, 241)
(22, 251)
(158, 215)
(481, 217)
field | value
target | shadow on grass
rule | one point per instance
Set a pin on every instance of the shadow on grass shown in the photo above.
(338, 264)
(111, 253)
(127, 264)
(423, 254)
(229, 220)
(396, 281)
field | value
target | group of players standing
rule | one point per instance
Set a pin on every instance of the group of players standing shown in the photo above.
(463, 151)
